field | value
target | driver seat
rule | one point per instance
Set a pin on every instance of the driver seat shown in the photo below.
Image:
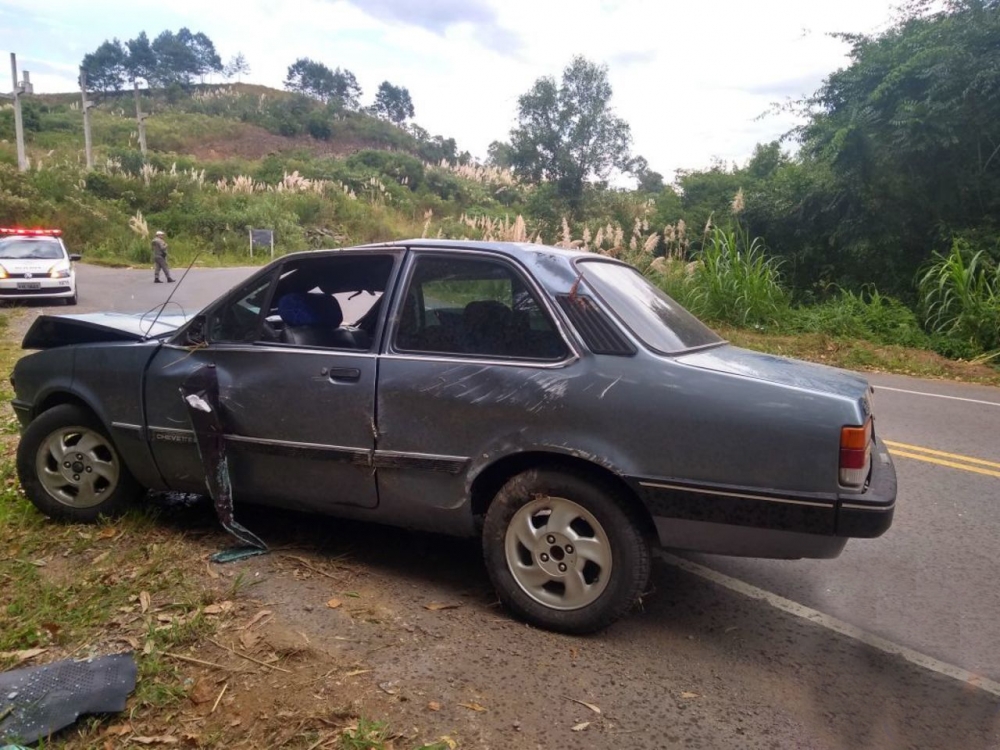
(314, 320)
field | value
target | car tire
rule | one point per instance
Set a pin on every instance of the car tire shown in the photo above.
(71, 300)
(68, 441)
(565, 552)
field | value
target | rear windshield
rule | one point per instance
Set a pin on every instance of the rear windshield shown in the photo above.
(655, 318)
(30, 249)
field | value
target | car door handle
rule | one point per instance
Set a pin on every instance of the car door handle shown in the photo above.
(343, 373)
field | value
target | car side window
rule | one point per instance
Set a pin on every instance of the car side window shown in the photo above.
(238, 320)
(332, 302)
(473, 306)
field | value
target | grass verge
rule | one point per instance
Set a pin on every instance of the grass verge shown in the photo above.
(213, 673)
(857, 354)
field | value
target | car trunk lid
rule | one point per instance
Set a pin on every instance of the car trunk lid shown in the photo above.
(789, 372)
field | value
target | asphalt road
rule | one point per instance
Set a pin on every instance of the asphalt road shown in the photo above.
(929, 585)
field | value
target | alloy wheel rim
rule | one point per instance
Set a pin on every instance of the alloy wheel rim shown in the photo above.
(77, 467)
(558, 553)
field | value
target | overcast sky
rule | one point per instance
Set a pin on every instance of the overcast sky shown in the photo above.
(692, 78)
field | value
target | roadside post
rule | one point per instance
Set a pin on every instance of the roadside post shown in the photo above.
(262, 238)
(22, 159)
(88, 149)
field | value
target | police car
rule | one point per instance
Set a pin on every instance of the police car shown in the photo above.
(34, 264)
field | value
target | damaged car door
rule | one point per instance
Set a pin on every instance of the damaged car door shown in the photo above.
(471, 372)
(294, 352)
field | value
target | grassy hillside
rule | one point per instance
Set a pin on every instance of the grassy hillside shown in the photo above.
(226, 159)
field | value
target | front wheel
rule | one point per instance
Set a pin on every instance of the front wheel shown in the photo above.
(70, 469)
(565, 553)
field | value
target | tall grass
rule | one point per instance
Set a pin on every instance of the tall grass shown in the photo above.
(736, 282)
(867, 315)
(960, 296)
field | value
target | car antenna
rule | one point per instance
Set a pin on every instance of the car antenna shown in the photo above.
(171, 296)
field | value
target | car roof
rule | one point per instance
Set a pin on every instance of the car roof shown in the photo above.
(553, 266)
(525, 251)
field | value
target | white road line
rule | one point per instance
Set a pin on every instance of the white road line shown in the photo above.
(936, 395)
(832, 623)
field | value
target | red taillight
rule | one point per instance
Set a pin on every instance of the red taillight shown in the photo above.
(31, 232)
(855, 454)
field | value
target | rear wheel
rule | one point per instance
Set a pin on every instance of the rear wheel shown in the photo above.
(70, 469)
(565, 552)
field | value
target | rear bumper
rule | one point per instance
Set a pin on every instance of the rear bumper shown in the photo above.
(869, 514)
(752, 522)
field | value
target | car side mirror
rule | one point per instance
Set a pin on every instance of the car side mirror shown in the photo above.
(194, 334)
(74, 256)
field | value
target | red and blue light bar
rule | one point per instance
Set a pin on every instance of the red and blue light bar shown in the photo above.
(21, 232)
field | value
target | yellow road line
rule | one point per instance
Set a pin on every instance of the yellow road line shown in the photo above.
(941, 462)
(931, 451)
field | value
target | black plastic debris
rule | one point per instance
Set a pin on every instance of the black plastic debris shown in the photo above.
(38, 701)
(201, 395)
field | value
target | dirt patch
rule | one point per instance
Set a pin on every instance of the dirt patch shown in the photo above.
(252, 142)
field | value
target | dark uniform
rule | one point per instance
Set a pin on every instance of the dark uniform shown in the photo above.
(160, 259)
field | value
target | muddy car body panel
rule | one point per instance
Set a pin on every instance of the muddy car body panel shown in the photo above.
(453, 366)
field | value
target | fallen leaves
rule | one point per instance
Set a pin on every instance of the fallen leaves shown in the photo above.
(334, 603)
(163, 739)
(20, 657)
(581, 726)
(145, 601)
(356, 672)
(202, 692)
(472, 706)
(687, 695)
(249, 639)
(257, 618)
(591, 706)
(219, 608)
(433, 706)
(438, 606)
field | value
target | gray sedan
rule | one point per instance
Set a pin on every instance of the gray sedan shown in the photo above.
(552, 402)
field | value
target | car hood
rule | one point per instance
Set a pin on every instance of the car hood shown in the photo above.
(789, 372)
(50, 331)
(30, 265)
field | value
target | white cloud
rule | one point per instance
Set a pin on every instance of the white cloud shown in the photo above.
(691, 78)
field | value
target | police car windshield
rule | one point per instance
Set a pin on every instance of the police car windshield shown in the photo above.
(20, 248)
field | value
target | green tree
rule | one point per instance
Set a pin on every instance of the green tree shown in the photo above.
(237, 66)
(315, 79)
(141, 61)
(182, 57)
(106, 67)
(393, 103)
(567, 132)
(647, 181)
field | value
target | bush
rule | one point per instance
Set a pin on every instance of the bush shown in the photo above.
(401, 168)
(735, 282)
(318, 126)
(960, 296)
(867, 315)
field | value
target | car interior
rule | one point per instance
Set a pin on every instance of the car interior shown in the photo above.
(475, 307)
(329, 302)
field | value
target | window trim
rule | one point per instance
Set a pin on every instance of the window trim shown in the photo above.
(617, 318)
(277, 270)
(390, 351)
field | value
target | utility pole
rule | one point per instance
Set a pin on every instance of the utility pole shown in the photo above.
(140, 117)
(22, 159)
(86, 119)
